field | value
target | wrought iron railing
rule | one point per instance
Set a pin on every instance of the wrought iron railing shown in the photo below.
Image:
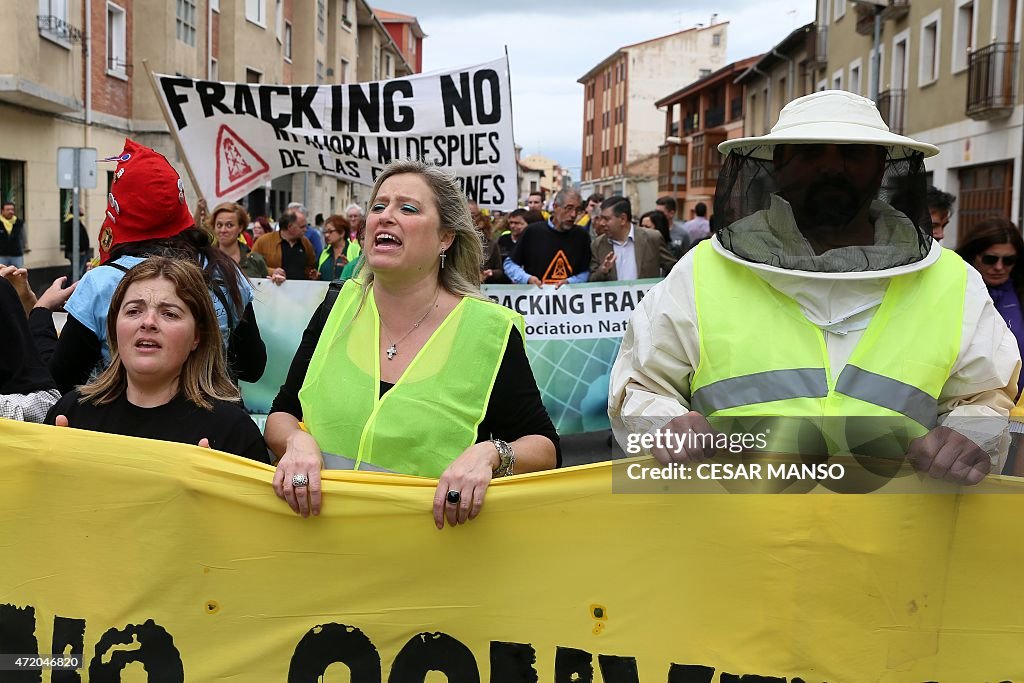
(992, 80)
(715, 116)
(59, 28)
(892, 106)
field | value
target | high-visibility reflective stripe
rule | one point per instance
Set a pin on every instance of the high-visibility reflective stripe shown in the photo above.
(760, 387)
(888, 393)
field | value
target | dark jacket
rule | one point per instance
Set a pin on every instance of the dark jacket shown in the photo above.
(13, 244)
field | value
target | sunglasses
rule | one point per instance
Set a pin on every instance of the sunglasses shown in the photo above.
(992, 259)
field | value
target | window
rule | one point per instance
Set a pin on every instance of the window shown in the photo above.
(900, 52)
(186, 22)
(387, 66)
(822, 85)
(344, 71)
(346, 7)
(716, 39)
(253, 76)
(279, 20)
(703, 73)
(256, 11)
(321, 20)
(319, 72)
(117, 55)
(215, 6)
(12, 184)
(214, 70)
(963, 34)
(839, 9)
(929, 63)
(837, 80)
(856, 69)
(287, 41)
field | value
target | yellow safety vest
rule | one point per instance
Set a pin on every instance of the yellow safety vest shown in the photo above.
(759, 355)
(432, 413)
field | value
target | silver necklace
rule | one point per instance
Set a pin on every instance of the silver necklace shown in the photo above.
(392, 350)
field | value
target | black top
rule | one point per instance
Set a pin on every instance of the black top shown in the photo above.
(227, 426)
(293, 259)
(21, 369)
(506, 245)
(13, 243)
(553, 255)
(66, 235)
(78, 351)
(514, 410)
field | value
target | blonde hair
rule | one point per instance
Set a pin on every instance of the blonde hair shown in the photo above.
(461, 272)
(204, 374)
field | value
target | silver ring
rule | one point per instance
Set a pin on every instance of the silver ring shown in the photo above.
(453, 497)
(300, 480)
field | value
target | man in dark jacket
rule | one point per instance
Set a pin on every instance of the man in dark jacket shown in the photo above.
(12, 237)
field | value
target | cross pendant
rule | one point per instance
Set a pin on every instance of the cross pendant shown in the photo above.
(392, 351)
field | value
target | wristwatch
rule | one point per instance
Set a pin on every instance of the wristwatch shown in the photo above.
(507, 458)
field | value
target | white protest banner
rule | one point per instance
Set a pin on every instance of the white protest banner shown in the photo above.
(236, 137)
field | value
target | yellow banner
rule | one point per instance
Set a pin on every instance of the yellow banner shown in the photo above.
(180, 560)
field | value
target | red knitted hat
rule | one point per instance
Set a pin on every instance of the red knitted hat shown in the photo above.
(146, 200)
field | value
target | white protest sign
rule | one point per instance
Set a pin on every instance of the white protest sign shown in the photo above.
(239, 136)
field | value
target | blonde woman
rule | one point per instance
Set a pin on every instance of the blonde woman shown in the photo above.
(167, 379)
(411, 368)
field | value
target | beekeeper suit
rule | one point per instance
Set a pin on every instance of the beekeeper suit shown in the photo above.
(822, 293)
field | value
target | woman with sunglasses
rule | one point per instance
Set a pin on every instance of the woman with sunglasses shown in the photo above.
(993, 247)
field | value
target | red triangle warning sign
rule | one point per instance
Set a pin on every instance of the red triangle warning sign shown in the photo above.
(558, 270)
(237, 162)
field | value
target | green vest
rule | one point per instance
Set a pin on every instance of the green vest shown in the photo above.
(353, 250)
(432, 414)
(759, 355)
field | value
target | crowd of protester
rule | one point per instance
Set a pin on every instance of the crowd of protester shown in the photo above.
(161, 327)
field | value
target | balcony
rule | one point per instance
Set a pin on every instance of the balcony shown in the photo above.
(817, 47)
(55, 27)
(689, 124)
(736, 108)
(892, 105)
(672, 168)
(896, 10)
(866, 19)
(714, 117)
(707, 160)
(992, 81)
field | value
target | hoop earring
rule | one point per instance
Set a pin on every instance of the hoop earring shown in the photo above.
(442, 259)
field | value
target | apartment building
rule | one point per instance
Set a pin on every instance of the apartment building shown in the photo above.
(621, 124)
(408, 36)
(949, 74)
(782, 74)
(551, 173)
(74, 75)
(697, 118)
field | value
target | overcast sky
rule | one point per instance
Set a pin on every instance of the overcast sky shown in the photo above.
(551, 44)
